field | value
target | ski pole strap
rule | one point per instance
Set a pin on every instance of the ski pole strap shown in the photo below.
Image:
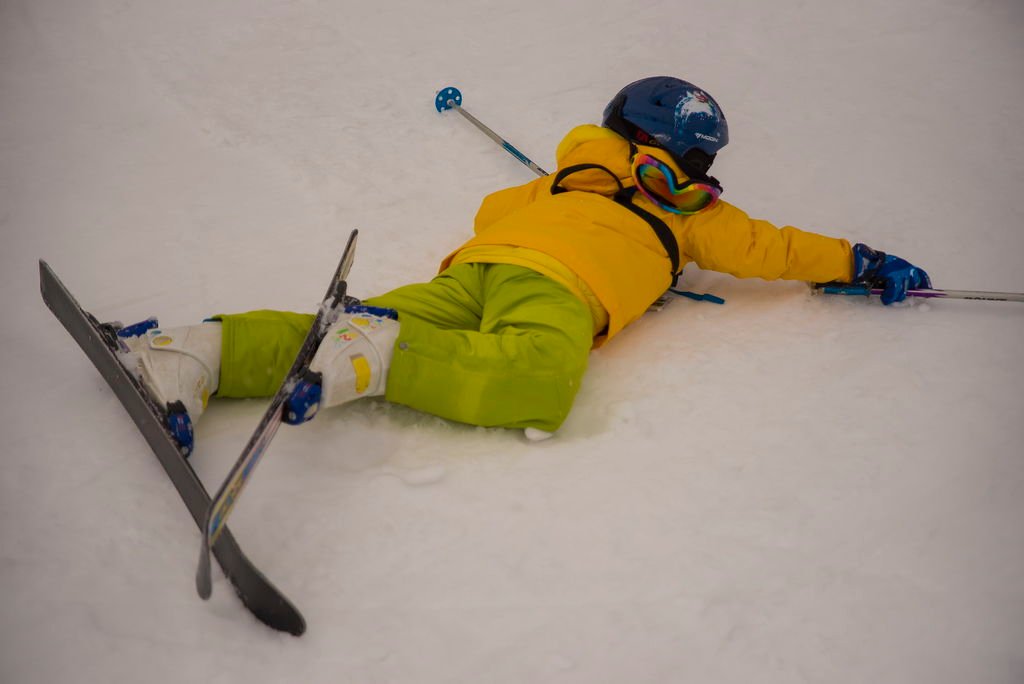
(697, 296)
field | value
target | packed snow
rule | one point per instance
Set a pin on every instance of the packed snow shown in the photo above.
(786, 488)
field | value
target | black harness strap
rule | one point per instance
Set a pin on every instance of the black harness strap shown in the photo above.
(556, 187)
(668, 240)
(624, 198)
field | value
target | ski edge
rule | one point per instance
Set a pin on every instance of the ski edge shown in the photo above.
(230, 491)
(256, 592)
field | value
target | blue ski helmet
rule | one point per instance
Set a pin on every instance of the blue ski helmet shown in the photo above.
(672, 114)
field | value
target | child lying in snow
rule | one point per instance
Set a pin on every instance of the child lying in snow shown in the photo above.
(558, 266)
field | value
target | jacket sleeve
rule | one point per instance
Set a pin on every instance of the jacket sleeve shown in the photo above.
(726, 239)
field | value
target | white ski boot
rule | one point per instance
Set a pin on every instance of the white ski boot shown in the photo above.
(180, 367)
(352, 362)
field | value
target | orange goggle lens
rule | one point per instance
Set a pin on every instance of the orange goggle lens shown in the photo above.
(658, 183)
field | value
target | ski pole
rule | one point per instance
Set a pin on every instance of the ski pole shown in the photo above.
(449, 97)
(844, 289)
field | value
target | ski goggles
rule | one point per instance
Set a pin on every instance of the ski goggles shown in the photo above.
(658, 183)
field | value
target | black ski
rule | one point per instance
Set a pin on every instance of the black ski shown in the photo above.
(98, 341)
(227, 496)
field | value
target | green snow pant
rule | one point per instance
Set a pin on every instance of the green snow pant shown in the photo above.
(486, 344)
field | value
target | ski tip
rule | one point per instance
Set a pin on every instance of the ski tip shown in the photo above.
(448, 97)
(298, 629)
(204, 583)
(44, 270)
(204, 587)
(47, 280)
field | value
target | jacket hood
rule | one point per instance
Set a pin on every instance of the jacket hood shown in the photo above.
(590, 144)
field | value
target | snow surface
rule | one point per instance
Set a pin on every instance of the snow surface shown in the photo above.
(786, 488)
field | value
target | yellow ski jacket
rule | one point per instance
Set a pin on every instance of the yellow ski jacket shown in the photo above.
(616, 253)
